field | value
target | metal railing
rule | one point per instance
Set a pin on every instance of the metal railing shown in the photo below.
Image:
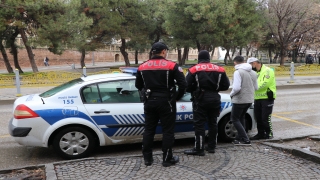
(54, 78)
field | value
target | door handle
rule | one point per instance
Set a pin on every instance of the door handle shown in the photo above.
(104, 111)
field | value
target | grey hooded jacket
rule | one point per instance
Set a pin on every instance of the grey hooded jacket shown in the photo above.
(244, 84)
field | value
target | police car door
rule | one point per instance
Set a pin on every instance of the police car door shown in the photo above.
(184, 118)
(116, 108)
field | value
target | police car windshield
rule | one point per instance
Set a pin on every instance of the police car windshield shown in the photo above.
(57, 89)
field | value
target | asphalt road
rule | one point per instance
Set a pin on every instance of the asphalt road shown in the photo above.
(295, 114)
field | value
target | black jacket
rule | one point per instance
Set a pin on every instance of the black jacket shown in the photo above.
(159, 74)
(207, 76)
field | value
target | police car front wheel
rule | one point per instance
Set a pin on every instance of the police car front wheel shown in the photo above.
(74, 142)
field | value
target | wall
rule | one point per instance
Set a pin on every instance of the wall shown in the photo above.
(68, 57)
(73, 57)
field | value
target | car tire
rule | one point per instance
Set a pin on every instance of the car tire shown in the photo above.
(74, 143)
(226, 130)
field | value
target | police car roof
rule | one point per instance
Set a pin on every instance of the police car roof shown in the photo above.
(106, 76)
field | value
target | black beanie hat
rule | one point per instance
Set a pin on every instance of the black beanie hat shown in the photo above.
(203, 56)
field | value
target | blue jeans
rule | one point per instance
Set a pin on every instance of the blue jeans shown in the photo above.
(238, 113)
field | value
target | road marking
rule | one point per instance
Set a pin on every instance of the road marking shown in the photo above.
(295, 121)
(292, 112)
(5, 136)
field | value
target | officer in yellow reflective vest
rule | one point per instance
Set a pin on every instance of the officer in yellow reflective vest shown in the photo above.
(263, 99)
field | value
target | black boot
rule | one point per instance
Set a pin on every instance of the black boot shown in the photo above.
(148, 162)
(257, 137)
(172, 161)
(199, 147)
(210, 150)
(148, 158)
(194, 152)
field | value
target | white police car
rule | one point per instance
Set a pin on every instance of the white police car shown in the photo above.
(99, 110)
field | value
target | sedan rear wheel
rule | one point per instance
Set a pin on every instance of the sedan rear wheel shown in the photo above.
(74, 143)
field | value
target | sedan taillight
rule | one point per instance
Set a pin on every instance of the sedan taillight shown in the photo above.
(22, 112)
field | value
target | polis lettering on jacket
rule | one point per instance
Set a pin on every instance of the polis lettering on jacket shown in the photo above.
(156, 63)
(160, 64)
(206, 67)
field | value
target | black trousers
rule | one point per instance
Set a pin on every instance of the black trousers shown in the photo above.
(238, 113)
(156, 109)
(205, 111)
(263, 111)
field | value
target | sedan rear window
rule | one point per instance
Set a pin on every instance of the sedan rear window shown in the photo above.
(60, 88)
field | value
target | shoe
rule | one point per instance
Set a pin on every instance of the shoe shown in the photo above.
(267, 137)
(209, 150)
(194, 152)
(148, 162)
(173, 161)
(257, 137)
(241, 143)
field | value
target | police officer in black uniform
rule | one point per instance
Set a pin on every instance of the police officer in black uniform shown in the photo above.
(204, 81)
(155, 80)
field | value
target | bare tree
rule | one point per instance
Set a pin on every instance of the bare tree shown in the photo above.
(288, 20)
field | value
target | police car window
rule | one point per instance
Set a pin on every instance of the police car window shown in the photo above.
(186, 98)
(123, 91)
(91, 94)
(60, 88)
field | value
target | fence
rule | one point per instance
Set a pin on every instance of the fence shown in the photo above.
(54, 78)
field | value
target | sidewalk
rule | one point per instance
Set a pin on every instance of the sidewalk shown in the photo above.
(259, 161)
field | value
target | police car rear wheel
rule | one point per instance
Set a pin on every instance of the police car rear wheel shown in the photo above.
(74, 143)
(226, 130)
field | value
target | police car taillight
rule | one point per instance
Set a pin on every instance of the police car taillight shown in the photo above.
(22, 112)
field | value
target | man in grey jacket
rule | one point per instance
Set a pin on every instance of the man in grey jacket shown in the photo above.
(242, 96)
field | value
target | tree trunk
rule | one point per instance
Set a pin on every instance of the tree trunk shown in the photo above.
(136, 61)
(83, 55)
(226, 56)
(123, 52)
(5, 58)
(270, 55)
(179, 56)
(248, 51)
(185, 55)
(295, 53)
(240, 51)
(14, 51)
(198, 46)
(212, 53)
(150, 54)
(233, 51)
(281, 56)
(29, 50)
